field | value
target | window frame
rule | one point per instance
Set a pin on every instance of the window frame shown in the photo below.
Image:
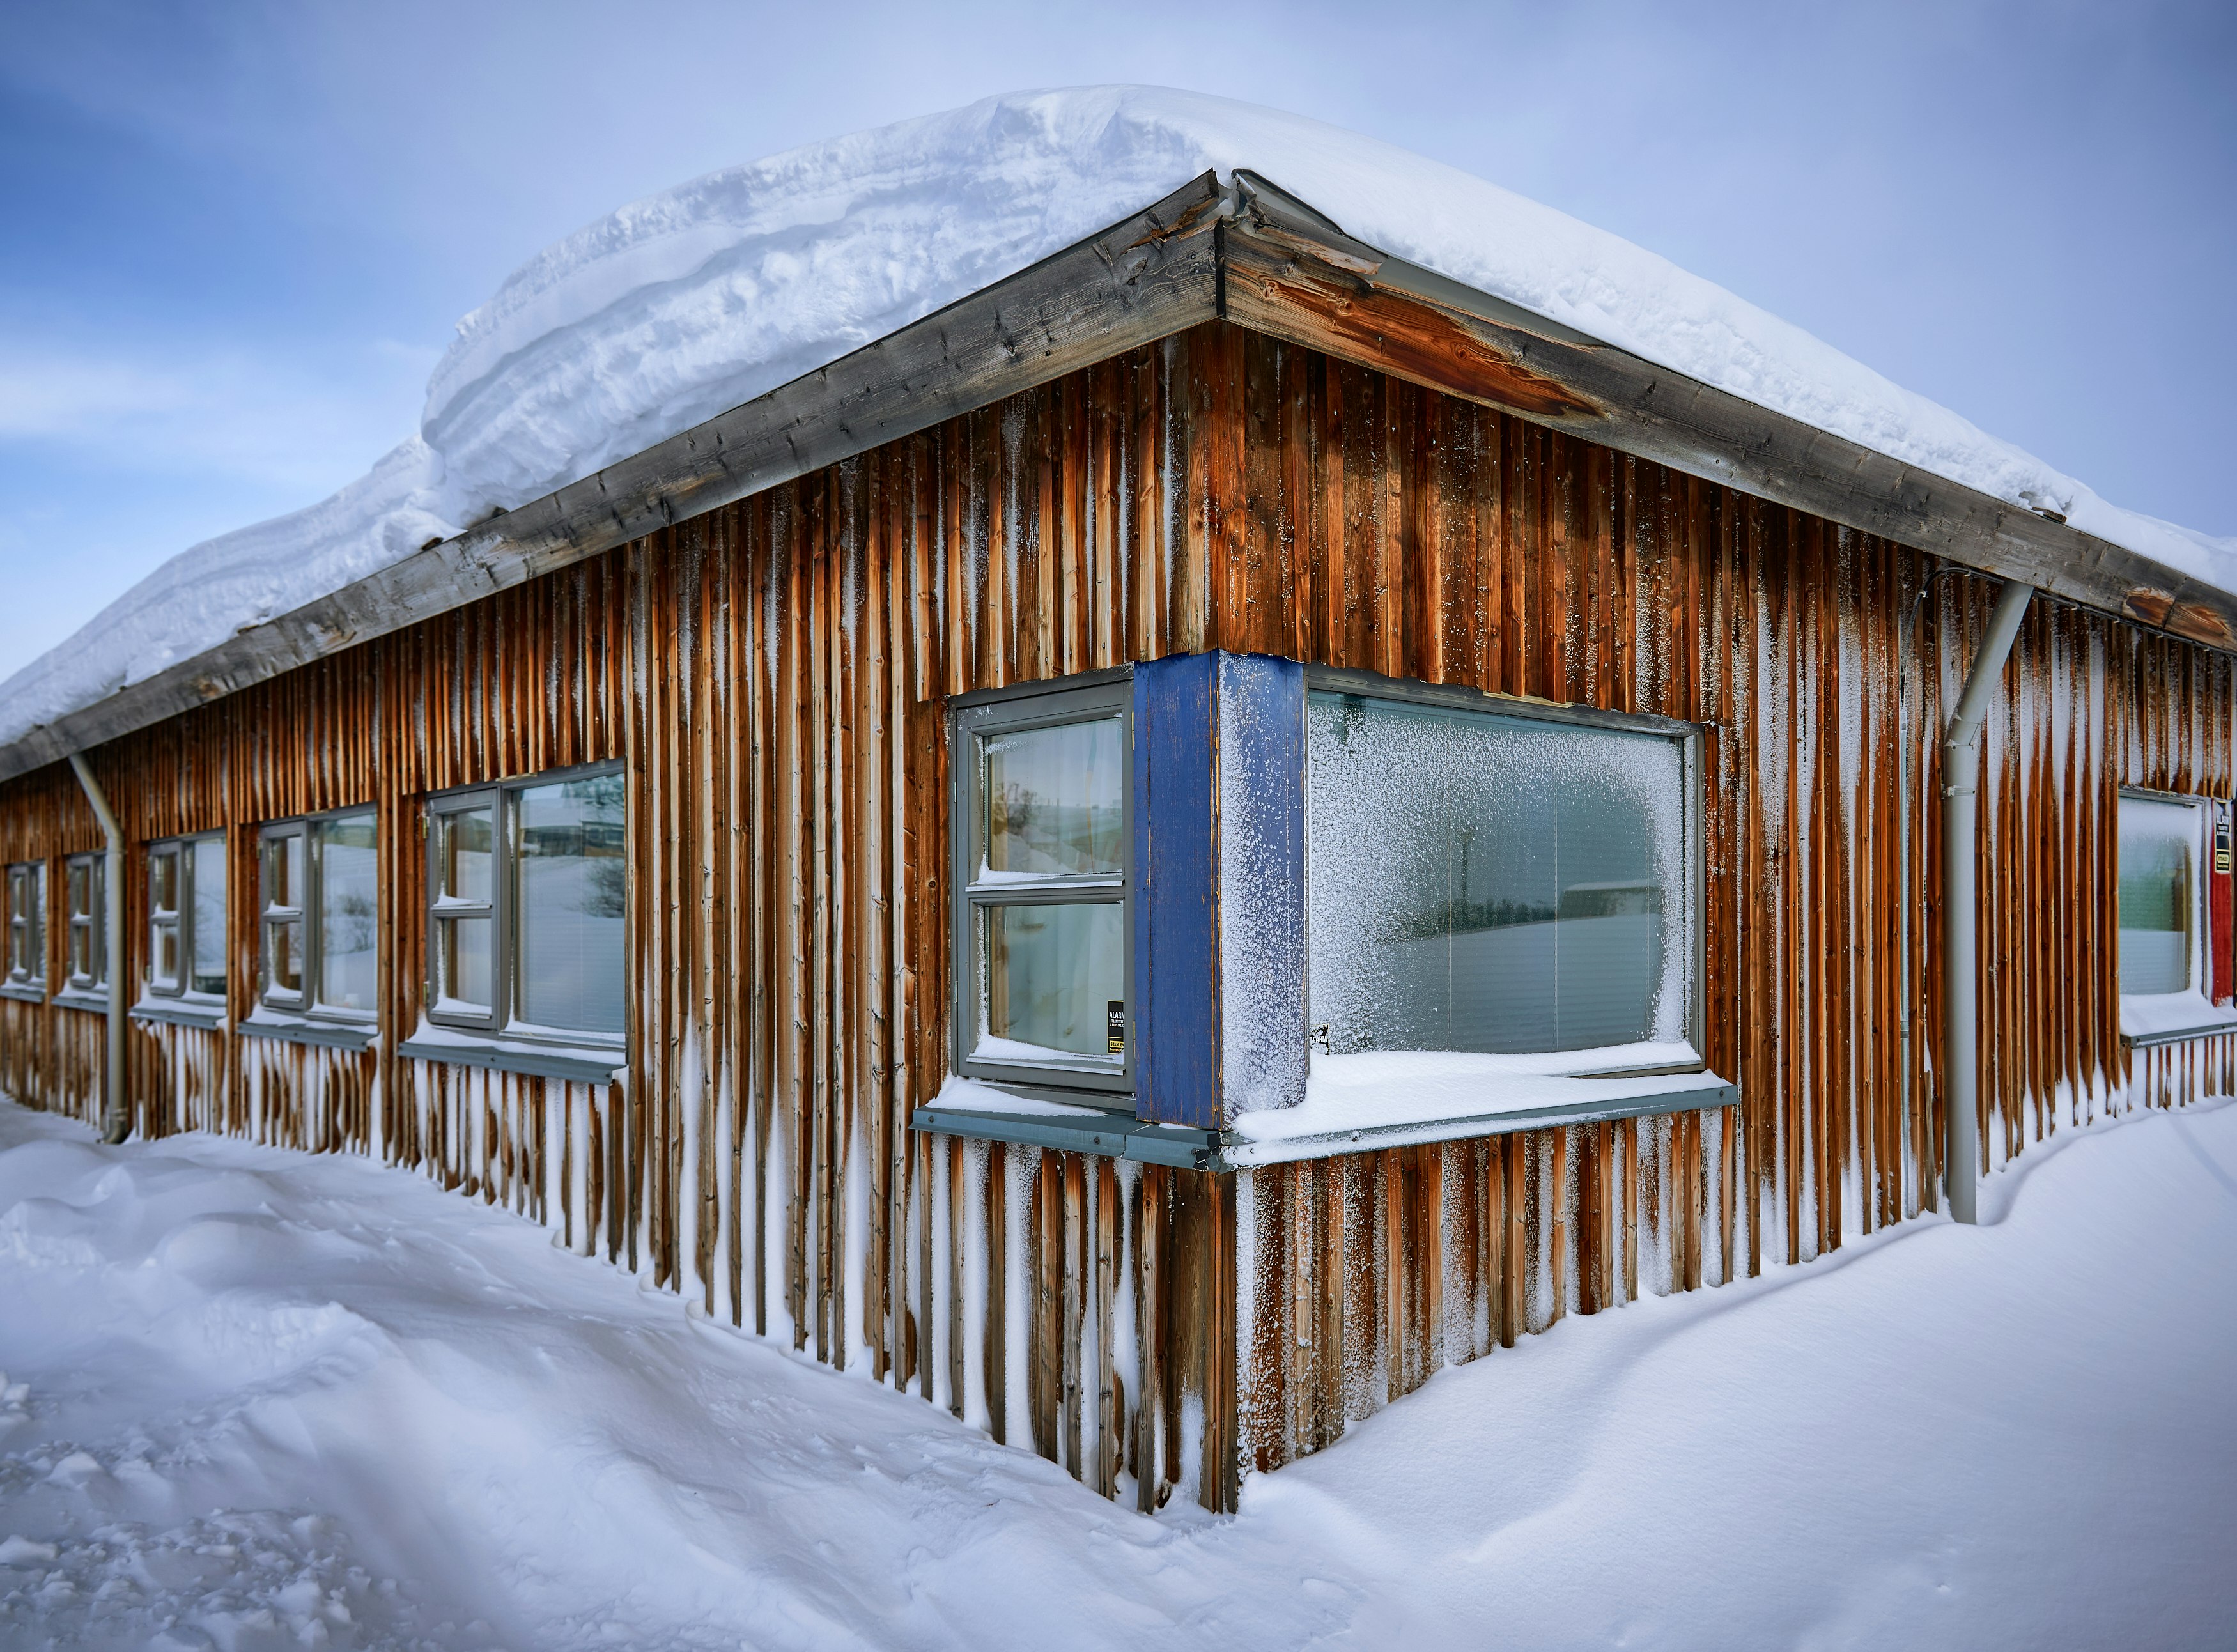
(30, 917)
(2198, 931)
(503, 1020)
(1322, 678)
(1083, 697)
(182, 920)
(92, 921)
(308, 911)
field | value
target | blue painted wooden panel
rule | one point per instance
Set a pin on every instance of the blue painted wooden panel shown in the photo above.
(1175, 1015)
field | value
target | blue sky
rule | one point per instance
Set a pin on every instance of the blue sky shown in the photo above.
(237, 237)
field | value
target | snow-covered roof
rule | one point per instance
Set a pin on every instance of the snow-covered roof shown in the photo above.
(689, 302)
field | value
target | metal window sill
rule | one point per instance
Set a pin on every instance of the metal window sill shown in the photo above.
(181, 1012)
(1088, 1129)
(22, 994)
(330, 1035)
(1079, 1129)
(575, 1065)
(2179, 1035)
(77, 998)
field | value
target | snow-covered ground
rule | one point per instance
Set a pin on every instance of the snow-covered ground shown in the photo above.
(679, 307)
(256, 1399)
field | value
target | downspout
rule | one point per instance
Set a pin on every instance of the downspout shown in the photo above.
(1961, 815)
(115, 1118)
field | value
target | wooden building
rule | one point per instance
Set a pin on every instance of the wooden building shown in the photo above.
(1156, 855)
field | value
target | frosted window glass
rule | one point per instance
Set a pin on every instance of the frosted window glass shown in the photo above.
(1493, 884)
(2158, 842)
(348, 914)
(208, 964)
(1056, 800)
(572, 885)
(1053, 973)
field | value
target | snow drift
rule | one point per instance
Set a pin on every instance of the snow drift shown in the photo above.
(255, 1398)
(688, 303)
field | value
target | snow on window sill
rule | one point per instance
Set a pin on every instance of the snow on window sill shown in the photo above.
(92, 999)
(1358, 1103)
(2168, 1018)
(588, 1063)
(24, 992)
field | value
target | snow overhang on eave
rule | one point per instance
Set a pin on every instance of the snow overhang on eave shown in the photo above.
(1264, 259)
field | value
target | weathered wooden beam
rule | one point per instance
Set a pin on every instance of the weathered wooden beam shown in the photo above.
(1287, 271)
(1144, 278)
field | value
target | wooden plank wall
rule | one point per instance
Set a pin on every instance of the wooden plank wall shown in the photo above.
(772, 674)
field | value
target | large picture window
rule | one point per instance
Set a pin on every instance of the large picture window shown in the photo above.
(27, 929)
(2161, 897)
(1506, 884)
(1042, 851)
(527, 887)
(320, 950)
(186, 917)
(85, 887)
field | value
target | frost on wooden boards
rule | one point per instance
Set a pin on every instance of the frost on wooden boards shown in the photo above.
(772, 674)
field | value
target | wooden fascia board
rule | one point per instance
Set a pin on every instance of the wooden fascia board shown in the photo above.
(1149, 276)
(1288, 271)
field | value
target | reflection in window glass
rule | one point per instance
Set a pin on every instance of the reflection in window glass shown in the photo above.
(2159, 841)
(571, 885)
(27, 921)
(82, 891)
(463, 951)
(1056, 800)
(1494, 884)
(283, 960)
(349, 913)
(284, 873)
(1054, 973)
(464, 856)
(208, 919)
(163, 917)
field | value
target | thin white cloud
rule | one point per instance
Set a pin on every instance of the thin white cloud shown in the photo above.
(306, 427)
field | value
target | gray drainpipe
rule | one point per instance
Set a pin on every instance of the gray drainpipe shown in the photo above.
(115, 1118)
(1961, 815)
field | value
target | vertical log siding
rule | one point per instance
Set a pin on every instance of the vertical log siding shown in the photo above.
(773, 675)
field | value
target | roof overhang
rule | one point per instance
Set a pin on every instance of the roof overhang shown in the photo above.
(1251, 253)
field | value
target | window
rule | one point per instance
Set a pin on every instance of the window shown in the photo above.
(1042, 851)
(320, 949)
(186, 917)
(27, 927)
(85, 880)
(2161, 894)
(527, 888)
(1502, 883)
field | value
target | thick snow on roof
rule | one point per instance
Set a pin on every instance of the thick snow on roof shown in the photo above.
(691, 302)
